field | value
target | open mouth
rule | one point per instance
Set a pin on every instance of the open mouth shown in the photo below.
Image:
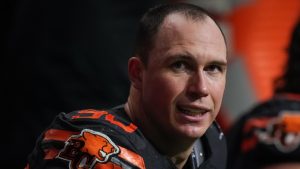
(192, 111)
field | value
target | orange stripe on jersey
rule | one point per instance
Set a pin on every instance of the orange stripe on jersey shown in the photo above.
(63, 135)
(89, 114)
(126, 154)
(50, 153)
(108, 165)
(132, 157)
(59, 135)
(256, 123)
(130, 128)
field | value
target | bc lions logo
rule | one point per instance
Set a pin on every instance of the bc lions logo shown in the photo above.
(283, 132)
(83, 151)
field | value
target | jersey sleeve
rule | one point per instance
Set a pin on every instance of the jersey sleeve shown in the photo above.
(86, 139)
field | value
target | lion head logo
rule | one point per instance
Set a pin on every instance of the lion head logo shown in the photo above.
(283, 132)
(83, 151)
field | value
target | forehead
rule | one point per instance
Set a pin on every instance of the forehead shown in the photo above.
(181, 24)
(179, 33)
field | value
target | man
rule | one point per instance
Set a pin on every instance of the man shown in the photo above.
(177, 78)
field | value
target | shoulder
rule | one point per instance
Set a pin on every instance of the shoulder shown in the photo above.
(115, 119)
(88, 138)
(95, 125)
(95, 138)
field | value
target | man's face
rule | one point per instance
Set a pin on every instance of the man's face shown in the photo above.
(184, 80)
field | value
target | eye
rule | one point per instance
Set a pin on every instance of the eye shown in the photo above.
(180, 66)
(214, 68)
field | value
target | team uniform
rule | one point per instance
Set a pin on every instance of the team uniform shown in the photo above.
(107, 139)
(268, 134)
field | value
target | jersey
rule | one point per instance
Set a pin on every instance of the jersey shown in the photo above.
(108, 139)
(267, 134)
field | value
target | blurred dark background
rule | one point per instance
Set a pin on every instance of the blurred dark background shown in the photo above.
(63, 56)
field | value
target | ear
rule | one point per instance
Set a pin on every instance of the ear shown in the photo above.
(135, 72)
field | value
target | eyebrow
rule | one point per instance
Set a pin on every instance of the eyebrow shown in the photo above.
(221, 63)
(187, 56)
(179, 56)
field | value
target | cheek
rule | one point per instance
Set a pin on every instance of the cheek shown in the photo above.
(162, 90)
(217, 91)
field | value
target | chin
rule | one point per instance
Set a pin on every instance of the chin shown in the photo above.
(193, 132)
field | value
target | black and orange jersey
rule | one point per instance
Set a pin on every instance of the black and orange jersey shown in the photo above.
(107, 139)
(268, 133)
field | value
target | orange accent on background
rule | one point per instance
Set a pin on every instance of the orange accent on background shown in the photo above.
(261, 32)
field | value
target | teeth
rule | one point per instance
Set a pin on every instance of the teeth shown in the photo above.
(192, 111)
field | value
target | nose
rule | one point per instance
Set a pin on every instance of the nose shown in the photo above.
(197, 86)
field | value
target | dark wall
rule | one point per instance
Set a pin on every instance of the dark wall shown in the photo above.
(63, 56)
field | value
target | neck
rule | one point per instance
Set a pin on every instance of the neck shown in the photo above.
(178, 150)
(181, 158)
